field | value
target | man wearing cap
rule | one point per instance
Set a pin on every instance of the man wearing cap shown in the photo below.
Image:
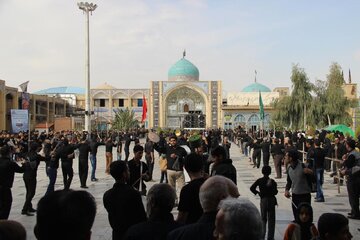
(351, 163)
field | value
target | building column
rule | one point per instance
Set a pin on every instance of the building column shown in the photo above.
(161, 105)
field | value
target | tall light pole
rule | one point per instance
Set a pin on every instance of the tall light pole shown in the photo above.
(86, 8)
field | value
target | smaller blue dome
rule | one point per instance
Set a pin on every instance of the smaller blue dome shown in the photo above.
(183, 70)
(256, 87)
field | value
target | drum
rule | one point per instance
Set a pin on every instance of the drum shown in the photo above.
(153, 137)
(187, 149)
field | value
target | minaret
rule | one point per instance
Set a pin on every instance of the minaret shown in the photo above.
(349, 76)
(255, 75)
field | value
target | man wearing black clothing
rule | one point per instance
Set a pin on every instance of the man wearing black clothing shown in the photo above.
(256, 156)
(267, 192)
(351, 170)
(277, 151)
(222, 166)
(318, 157)
(30, 173)
(84, 149)
(212, 191)
(122, 202)
(7, 172)
(109, 145)
(67, 156)
(94, 144)
(160, 203)
(175, 159)
(338, 151)
(149, 156)
(136, 166)
(189, 204)
(53, 165)
(128, 138)
(265, 147)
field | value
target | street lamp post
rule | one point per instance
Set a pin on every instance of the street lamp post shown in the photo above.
(86, 8)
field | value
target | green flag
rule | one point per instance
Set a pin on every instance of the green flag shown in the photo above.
(261, 107)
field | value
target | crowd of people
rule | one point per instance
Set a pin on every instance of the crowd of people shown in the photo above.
(209, 206)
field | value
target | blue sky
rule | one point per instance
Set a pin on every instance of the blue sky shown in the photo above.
(134, 42)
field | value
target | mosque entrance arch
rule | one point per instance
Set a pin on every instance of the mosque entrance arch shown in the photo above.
(179, 102)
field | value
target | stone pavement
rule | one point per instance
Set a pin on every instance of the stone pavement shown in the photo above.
(246, 176)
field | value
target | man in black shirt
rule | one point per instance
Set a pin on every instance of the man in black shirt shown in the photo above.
(67, 157)
(94, 144)
(149, 156)
(128, 138)
(267, 192)
(108, 153)
(189, 205)
(222, 165)
(160, 203)
(7, 172)
(122, 202)
(175, 159)
(212, 191)
(351, 164)
(277, 151)
(138, 170)
(318, 165)
(84, 149)
(53, 165)
(265, 147)
(31, 165)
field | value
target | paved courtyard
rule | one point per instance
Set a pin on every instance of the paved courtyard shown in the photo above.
(335, 202)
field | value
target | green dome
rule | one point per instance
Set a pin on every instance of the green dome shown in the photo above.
(256, 87)
(183, 70)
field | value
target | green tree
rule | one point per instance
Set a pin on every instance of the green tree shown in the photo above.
(300, 98)
(281, 116)
(336, 102)
(124, 119)
(316, 116)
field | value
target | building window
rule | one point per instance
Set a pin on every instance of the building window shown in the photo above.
(121, 102)
(139, 102)
(102, 102)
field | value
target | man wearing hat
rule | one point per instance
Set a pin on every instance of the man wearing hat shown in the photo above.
(351, 165)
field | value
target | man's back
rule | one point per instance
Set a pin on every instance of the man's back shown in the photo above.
(189, 200)
(125, 208)
(156, 229)
(201, 230)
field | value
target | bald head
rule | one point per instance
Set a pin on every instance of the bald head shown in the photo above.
(215, 189)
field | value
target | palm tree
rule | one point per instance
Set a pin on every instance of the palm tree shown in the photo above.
(125, 119)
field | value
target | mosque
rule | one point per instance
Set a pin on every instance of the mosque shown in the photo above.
(183, 101)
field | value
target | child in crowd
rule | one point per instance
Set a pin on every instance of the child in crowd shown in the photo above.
(268, 190)
(303, 227)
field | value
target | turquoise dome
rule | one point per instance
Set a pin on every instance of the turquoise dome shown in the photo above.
(183, 70)
(256, 87)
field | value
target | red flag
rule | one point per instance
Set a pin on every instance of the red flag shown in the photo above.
(144, 109)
